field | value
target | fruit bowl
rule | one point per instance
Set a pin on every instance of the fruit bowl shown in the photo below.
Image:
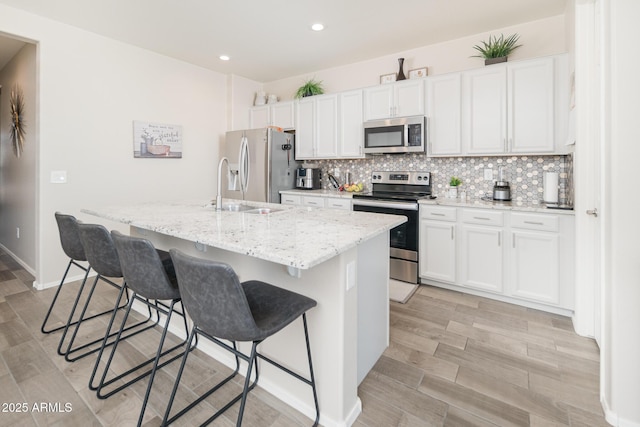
(352, 188)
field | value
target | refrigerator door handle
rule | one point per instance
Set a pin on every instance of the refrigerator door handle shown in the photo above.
(243, 164)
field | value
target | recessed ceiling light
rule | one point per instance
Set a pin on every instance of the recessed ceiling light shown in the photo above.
(224, 57)
(317, 27)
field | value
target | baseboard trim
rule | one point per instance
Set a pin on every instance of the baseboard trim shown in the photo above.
(614, 419)
(18, 260)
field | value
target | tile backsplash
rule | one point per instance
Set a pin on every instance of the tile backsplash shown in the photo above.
(524, 173)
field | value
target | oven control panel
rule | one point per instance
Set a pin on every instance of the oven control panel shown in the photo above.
(401, 177)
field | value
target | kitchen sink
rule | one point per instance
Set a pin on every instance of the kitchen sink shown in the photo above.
(235, 207)
(262, 211)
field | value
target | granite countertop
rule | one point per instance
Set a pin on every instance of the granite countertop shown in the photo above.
(295, 236)
(319, 193)
(485, 204)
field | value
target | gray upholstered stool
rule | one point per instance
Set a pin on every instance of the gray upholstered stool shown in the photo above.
(72, 247)
(150, 278)
(223, 308)
(103, 258)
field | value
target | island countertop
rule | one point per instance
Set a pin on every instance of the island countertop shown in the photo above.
(294, 236)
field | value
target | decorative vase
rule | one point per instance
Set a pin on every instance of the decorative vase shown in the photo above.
(453, 192)
(400, 70)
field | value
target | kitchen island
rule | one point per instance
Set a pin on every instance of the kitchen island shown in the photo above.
(338, 258)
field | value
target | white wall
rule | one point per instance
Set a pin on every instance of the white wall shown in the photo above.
(622, 228)
(538, 38)
(90, 90)
(18, 175)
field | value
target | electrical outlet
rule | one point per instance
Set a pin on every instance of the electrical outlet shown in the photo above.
(488, 174)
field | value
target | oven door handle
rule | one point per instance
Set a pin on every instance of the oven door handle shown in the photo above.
(389, 205)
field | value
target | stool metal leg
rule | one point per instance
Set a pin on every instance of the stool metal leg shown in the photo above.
(69, 350)
(43, 328)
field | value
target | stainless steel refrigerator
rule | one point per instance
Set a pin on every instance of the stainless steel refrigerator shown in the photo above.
(261, 164)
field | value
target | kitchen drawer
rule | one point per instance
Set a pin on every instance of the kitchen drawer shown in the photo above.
(438, 213)
(317, 202)
(483, 217)
(290, 199)
(339, 203)
(540, 222)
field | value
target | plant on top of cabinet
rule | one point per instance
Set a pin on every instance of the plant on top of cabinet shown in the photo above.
(497, 48)
(309, 88)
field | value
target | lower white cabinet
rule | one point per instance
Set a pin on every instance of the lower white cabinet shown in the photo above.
(437, 230)
(519, 257)
(481, 257)
(535, 256)
(481, 249)
(315, 201)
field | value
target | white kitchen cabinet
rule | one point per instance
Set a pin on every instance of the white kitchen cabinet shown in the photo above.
(305, 129)
(315, 201)
(317, 127)
(281, 114)
(399, 99)
(290, 199)
(437, 244)
(338, 203)
(351, 142)
(303, 198)
(259, 117)
(444, 111)
(520, 257)
(534, 261)
(485, 97)
(511, 108)
(481, 250)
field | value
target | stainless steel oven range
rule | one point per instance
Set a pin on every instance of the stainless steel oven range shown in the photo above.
(397, 193)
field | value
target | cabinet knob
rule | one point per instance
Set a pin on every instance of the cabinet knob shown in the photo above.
(593, 212)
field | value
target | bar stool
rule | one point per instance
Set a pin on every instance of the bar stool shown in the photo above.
(103, 258)
(223, 308)
(150, 276)
(72, 247)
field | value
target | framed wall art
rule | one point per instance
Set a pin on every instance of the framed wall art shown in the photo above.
(157, 140)
(418, 73)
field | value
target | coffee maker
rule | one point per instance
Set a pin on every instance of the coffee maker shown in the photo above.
(308, 178)
(501, 188)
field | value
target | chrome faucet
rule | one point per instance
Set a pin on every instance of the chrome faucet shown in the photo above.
(219, 195)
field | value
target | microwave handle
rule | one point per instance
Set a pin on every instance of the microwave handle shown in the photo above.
(406, 135)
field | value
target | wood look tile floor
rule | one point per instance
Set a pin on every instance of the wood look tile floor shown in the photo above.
(453, 360)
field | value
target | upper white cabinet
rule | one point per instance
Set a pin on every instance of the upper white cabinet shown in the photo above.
(281, 114)
(514, 107)
(444, 111)
(330, 126)
(351, 142)
(317, 127)
(399, 99)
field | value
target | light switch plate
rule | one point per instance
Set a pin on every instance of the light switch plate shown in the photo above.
(58, 177)
(488, 174)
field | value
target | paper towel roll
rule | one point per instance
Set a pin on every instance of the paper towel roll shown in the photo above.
(550, 187)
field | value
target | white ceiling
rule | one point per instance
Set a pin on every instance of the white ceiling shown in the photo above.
(271, 39)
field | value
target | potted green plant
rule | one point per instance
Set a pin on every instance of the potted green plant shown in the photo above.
(309, 88)
(497, 48)
(454, 182)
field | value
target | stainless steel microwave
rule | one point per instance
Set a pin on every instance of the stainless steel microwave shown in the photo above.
(398, 135)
